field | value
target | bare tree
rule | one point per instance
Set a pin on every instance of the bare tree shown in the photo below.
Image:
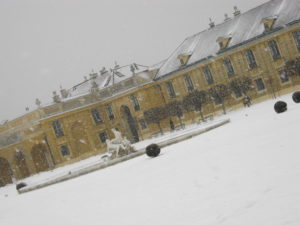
(175, 109)
(195, 100)
(292, 67)
(241, 85)
(155, 115)
(219, 93)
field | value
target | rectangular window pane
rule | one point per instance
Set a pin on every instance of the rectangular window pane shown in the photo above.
(103, 136)
(208, 76)
(217, 101)
(238, 93)
(135, 102)
(274, 49)
(96, 116)
(283, 76)
(170, 88)
(143, 124)
(229, 67)
(57, 128)
(110, 113)
(188, 82)
(296, 35)
(64, 150)
(251, 59)
(260, 84)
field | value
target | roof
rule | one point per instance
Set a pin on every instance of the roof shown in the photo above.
(107, 78)
(240, 28)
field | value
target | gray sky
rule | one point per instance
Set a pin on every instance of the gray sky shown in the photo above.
(48, 43)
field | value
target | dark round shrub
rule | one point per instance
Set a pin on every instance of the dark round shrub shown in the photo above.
(152, 150)
(280, 107)
(20, 185)
(296, 97)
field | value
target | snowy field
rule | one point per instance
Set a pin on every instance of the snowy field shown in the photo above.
(244, 173)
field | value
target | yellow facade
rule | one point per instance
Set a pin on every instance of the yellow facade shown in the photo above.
(39, 147)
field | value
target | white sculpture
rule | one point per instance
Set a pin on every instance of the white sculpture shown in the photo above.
(118, 144)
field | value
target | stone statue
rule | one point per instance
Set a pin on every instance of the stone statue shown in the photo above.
(64, 93)
(56, 97)
(38, 102)
(118, 146)
(94, 89)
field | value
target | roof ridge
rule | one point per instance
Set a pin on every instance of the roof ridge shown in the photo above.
(223, 22)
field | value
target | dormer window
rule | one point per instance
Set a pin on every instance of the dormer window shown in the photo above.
(184, 58)
(269, 22)
(221, 45)
(223, 42)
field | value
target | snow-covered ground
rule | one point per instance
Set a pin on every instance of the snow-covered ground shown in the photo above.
(247, 172)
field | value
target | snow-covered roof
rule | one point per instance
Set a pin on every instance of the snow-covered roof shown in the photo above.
(240, 28)
(108, 78)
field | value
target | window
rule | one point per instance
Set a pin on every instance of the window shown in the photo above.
(96, 116)
(181, 61)
(208, 76)
(135, 102)
(64, 150)
(188, 82)
(260, 84)
(238, 93)
(110, 113)
(170, 88)
(184, 58)
(57, 128)
(229, 67)
(269, 22)
(103, 136)
(221, 45)
(223, 41)
(267, 27)
(218, 101)
(283, 76)
(274, 49)
(296, 35)
(251, 59)
(143, 124)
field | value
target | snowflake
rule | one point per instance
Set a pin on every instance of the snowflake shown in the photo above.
(82, 141)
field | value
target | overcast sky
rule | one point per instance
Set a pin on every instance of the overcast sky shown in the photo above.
(48, 43)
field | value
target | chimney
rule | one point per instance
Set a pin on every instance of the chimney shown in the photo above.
(211, 23)
(236, 11)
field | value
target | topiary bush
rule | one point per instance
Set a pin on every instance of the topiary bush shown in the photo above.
(152, 150)
(280, 106)
(296, 97)
(20, 185)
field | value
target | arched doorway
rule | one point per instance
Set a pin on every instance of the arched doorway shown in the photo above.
(130, 124)
(21, 164)
(39, 157)
(80, 139)
(5, 172)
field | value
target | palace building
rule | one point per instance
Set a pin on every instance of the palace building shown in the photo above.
(245, 54)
